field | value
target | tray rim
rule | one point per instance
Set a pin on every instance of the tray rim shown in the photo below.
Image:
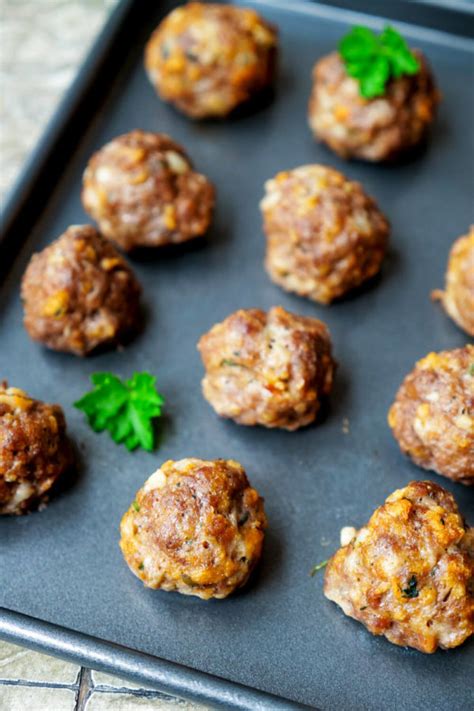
(448, 20)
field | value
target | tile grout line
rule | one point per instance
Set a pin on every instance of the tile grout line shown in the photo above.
(85, 688)
(35, 684)
(140, 693)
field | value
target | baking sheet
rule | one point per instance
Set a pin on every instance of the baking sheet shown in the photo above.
(280, 634)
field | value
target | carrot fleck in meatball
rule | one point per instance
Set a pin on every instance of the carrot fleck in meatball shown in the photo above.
(196, 527)
(409, 573)
(270, 369)
(142, 191)
(79, 293)
(325, 236)
(432, 417)
(206, 59)
(377, 129)
(458, 297)
(34, 450)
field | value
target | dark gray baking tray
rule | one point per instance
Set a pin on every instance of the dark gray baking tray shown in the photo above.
(63, 566)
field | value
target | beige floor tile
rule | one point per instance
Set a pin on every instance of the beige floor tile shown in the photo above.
(103, 701)
(21, 664)
(33, 698)
(102, 679)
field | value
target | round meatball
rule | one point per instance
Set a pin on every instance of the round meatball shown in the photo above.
(409, 573)
(377, 129)
(142, 191)
(432, 417)
(79, 293)
(206, 59)
(195, 527)
(34, 450)
(325, 236)
(267, 369)
(458, 297)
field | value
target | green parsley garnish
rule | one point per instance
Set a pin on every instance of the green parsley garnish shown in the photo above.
(318, 566)
(126, 409)
(411, 590)
(373, 60)
(135, 506)
(471, 369)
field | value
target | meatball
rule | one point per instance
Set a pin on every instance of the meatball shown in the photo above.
(409, 573)
(79, 293)
(377, 129)
(325, 236)
(142, 191)
(432, 417)
(458, 297)
(195, 527)
(34, 450)
(206, 59)
(267, 369)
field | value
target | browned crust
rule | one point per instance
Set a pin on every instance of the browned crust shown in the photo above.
(432, 417)
(379, 129)
(409, 573)
(79, 294)
(268, 369)
(206, 58)
(458, 296)
(325, 235)
(196, 527)
(142, 191)
(34, 450)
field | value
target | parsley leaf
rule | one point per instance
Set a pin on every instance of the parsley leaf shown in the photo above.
(471, 369)
(411, 590)
(373, 60)
(318, 566)
(125, 408)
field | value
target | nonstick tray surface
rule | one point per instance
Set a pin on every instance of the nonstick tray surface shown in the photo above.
(63, 565)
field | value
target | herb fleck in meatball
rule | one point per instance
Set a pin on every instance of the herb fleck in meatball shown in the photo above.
(432, 417)
(142, 191)
(195, 527)
(270, 369)
(34, 450)
(458, 297)
(79, 293)
(206, 59)
(325, 236)
(375, 129)
(409, 573)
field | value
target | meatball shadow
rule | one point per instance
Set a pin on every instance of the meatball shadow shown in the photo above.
(405, 158)
(267, 567)
(69, 480)
(255, 105)
(163, 429)
(336, 403)
(389, 267)
(169, 251)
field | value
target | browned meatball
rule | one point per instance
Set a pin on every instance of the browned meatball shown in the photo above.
(142, 191)
(432, 417)
(206, 59)
(267, 369)
(325, 236)
(409, 573)
(79, 293)
(375, 129)
(458, 297)
(34, 450)
(196, 527)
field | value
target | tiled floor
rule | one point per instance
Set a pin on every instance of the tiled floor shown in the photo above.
(41, 44)
(36, 682)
